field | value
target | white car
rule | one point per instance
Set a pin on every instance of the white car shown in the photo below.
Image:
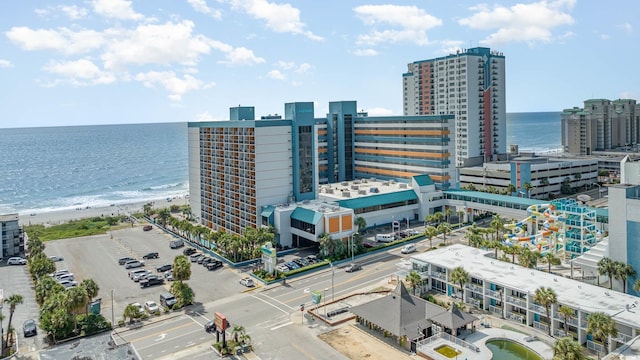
(16, 261)
(141, 275)
(56, 258)
(68, 284)
(152, 307)
(409, 248)
(65, 277)
(139, 307)
(248, 282)
(282, 268)
(60, 273)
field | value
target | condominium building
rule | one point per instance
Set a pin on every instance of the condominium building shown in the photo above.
(12, 236)
(470, 85)
(357, 146)
(601, 125)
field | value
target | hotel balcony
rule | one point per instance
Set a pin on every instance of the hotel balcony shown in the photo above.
(439, 275)
(517, 301)
(495, 309)
(622, 338)
(539, 309)
(515, 316)
(541, 326)
(474, 288)
(494, 294)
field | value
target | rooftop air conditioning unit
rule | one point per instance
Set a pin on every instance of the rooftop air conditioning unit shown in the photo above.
(346, 194)
(402, 186)
(344, 183)
(329, 191)
(354, 187)
(386, 183)
(362, 192)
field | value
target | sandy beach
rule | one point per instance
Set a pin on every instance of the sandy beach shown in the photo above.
(63, 216)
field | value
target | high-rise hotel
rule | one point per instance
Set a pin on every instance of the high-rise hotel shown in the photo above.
(469, 84)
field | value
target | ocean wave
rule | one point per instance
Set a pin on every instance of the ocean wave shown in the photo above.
(165, 186)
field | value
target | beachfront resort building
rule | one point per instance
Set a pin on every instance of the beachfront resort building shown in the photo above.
(507, 290)
(470, 85)
(546, 175)
(601, 125)
(12, 236)
(239, 167)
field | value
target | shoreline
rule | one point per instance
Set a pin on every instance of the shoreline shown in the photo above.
(58, 217)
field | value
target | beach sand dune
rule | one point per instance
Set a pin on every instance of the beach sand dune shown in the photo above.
(63, 216)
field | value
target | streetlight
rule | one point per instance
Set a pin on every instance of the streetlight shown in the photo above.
(333, 274)
(599, 189)
(112, 317)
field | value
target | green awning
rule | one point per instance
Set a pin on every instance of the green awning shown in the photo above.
(306, 215)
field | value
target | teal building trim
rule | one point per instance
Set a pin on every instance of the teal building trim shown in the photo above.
(379, 200)
(303, 149)
(423, 180)
(306, 215)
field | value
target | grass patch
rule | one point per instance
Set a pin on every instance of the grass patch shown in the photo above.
(76, 228)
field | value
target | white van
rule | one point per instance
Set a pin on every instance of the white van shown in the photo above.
(385, 237)
(409, 248)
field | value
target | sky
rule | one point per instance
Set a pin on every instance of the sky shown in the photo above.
(145, 61)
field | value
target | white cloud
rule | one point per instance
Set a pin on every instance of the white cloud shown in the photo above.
(63, 40)
(74, 12)
(202, 7)
(276, 74)
(379, 111)
(628, 28)
(205, 116)
(409, 24)
(286, 65)
(303, 68)
(176, 86)
(281, 18)
(450, 46)
(629, 95)
(365, 52)
(5, 63)
(604, 37)
(532, 22)
(118, 9)
(241, 56)
(80, 72)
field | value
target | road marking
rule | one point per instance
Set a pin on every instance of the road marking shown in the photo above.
(159, 333)
(161, 337)
(281, 325)
(306, 291)
(278, 301)
(268, 303)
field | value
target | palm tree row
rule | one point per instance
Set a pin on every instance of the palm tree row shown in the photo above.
(616, 270)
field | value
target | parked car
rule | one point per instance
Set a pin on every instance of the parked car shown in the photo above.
(409, 248)
(56, 258)
(151, 255)
(291, 265)
(207, 260)
(163, 268)
(167, 300)
(413, 232)
(134, 272)
(189, 251)
(202, 258)
(195, 257)
(16, 261)
(210, 326)
(248, 282)
(147, 228)
(282, 268)
(141, 275)
(174, 244)
(212, 265)
(312, 259)
(65, 277)
(124, 260)
(29, 328)
(168, 275)
(151, 307)
(301, 262)
(133, 264)
(59, 272)
(151, 280)
(353, 267)
(139, 307)
(68, 284)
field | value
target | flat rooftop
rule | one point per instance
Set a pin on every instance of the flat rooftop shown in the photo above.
(360, 188)
(623, 308)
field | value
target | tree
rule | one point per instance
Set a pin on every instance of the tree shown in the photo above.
(460, 277)
(45, 287)
(13, 301)
(431, 232)
(511, 189)
(601, 326)
(131, 312)
(163, 216)
(146, 208)
(326, 245)
(35, 245)
(512, 250)
(360, 223)
(444, 228)
(622, 272)
(565, 187)
(528, 258)
(91, 288)
(414, 280)
(237, 330)
(40, 265)
(544, 182)
(183, 292)
(636, 286)
(546, 297)
(428, 219)
(550, 259)
(181, 268)
(447, 213)
(438, 216)
(76, 301)
(567, 349)
(497, 224)
(527, 186)
(460, 214)
(607, 267)
(567, 313)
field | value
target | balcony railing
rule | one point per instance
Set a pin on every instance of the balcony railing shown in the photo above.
(474, 288)
(541, 326)
(493, 293)
(537, 308)
(517, 317)
(475, 302)
(623, 338)
(594, 346)
(495, 309)
(421, 345)
(517, 301)
(439, 275)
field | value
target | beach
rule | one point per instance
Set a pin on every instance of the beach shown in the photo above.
(62, 216)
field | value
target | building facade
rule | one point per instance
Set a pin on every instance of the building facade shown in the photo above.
(469, 85)
(12, 236)
(601, 125)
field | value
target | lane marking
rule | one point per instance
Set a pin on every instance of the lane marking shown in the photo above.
(268, 303)
(281, 325)
(278, 301)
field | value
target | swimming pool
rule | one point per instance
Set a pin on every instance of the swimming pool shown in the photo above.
(503, 349)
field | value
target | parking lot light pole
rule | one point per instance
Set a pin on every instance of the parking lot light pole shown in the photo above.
(599, 190)
(333, 274)
(112, 317)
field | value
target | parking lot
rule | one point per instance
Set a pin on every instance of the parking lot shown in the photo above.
(14, 279)
(97, 257)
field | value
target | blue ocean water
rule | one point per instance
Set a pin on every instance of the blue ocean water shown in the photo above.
(56, 168)
(534, 131)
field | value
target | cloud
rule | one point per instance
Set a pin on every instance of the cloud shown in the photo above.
(303, 68)
(450, 46)
(276, 74)
(629, 95)
(241, 56)
(531, 23)
(408, 24)
(365, 52)
(281, 18)
(205, 116)
(74, 12)
(80, 72)
(176, 86)
(5, 63)
(202, 7)
(604, 37)
(118, 9)
(64, 40)
(628, 28)
(379, 111)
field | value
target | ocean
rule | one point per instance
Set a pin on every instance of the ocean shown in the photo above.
(62, 168)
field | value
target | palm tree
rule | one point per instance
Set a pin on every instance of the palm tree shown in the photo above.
(512, 250)
(460, 214)
(607, 267)
(163, 216)
(497, 224)
(35, 245)
(237, 330)
(636, 286)
(511, 188)
(601, 326)
(438, 216)
(528, 258)
(13, 301)
(567, 313)
(146, 208)
(92, 289)
(431, 232)
(551, 259)
(360, 223)
(414, 280)
(428, 219)
(567, 349)
(181, 268)
(546, 297)
(46, 286)
(131, 312)
(544, 182)
(527, 186)
(460, 277)
(447, 213)
(76, 301)
(326, 244)
(622, 272)
(444, 228)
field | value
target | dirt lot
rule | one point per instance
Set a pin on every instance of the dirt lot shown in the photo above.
(356, 344)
